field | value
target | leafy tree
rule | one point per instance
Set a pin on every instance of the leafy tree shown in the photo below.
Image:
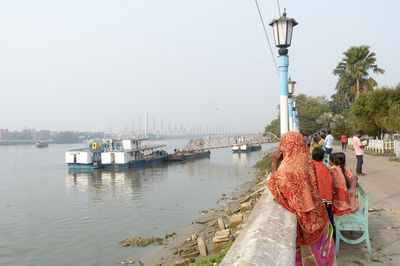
(309, 110)
(353, 72)
(391, 122)
(274, 127)
(340, 129)
(338, 107)
(329, 120)
(377, 111)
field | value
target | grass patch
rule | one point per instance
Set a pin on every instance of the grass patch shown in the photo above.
(358, 262)
(216, 258)
(264, 164)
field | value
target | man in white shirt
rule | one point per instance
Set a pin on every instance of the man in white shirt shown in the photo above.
(328, 143)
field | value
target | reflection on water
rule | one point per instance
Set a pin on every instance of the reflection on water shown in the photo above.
(51, 216)
(103, 184)
(240, 159)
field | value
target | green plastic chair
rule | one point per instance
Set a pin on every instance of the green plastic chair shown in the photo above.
(356, 221)
(326, 160)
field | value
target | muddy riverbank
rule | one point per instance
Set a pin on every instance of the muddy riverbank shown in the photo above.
(216, 229)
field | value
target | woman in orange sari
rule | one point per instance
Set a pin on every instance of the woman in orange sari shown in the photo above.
(294, 186)
(344, 185)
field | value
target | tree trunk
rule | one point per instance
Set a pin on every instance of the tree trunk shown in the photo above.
(358, 88)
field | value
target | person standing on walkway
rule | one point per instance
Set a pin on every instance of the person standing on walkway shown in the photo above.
(344, 141)
(328, 143)
(359, 150)
(294, 185)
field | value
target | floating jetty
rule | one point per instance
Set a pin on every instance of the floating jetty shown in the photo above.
(187, 155)
(242, 145)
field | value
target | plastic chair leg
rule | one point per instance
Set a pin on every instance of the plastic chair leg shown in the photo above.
(369, 247)
(337, 241)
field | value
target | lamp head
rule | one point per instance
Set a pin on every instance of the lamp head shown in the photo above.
(291, 85)
(283, 30)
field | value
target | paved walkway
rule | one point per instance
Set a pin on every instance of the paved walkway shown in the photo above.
(382, 182)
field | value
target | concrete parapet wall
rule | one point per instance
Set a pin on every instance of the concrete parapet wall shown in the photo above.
(269, 237)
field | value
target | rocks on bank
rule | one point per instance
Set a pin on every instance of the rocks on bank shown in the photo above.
(220, 227)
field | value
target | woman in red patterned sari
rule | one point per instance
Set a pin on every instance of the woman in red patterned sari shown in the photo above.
(344, 185)
(294, 186)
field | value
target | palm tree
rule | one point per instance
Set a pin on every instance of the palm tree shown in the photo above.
(353, 72)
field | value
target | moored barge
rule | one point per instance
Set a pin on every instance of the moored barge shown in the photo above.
(188, 155)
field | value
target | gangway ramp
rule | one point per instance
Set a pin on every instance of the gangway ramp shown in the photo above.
(209, 143)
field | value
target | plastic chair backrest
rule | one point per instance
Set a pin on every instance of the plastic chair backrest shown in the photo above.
(365, 196)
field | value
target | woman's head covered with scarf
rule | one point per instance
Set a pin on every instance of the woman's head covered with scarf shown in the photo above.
(294, 185)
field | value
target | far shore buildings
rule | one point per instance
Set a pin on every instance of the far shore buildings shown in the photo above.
(45, 134)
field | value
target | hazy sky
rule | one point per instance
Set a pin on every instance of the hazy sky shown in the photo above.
(89, 65)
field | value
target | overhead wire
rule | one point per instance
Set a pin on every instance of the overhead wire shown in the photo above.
(266, 35)
(279, 8)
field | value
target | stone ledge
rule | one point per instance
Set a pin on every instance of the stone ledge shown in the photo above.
(269, 237)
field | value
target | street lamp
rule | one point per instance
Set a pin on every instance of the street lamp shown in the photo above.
(283, 30)
(291, 85)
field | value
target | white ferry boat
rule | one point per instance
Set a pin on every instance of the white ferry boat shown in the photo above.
(84, 158)
(130, 153)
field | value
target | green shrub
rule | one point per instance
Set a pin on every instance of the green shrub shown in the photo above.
(264, 165)
(216, 258)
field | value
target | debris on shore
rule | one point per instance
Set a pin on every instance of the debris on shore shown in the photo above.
(170, 235)
(218, 229)
(126, 262)
(144, 242)
(139, 242)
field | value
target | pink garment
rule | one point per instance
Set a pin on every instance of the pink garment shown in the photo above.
(357, 146)
(352, 190)
(320, 253)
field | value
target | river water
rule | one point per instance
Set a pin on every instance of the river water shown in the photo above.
(50, 216)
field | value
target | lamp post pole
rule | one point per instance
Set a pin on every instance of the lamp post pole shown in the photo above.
(283, 29)
(294, 125)
(283, 64)
(295, 120)
(291, 85)
(291, 113)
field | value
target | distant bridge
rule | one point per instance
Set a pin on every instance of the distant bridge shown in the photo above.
(209, 143)
(149, 125)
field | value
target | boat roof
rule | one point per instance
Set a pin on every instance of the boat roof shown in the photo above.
(147, 147)
(122, 139)
(87, 150)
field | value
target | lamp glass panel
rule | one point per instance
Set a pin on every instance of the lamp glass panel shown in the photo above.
(289, 32)
(282, 32)
(276, 37)
(290, 87)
